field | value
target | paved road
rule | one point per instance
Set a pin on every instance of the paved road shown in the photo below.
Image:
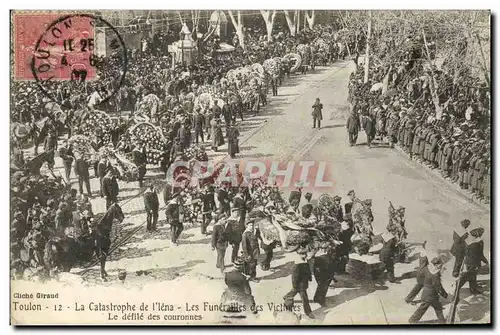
(187, 272)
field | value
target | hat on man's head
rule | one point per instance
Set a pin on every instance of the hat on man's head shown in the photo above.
(465, 223)
(337, 198)
(477, 232)
(350, 193)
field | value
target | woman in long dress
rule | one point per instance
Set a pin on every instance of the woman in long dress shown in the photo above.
(217, 136)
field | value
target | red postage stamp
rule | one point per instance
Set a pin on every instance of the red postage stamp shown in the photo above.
(53, 46)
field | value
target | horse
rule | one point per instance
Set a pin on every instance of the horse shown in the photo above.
(66, 252)
(35, 164)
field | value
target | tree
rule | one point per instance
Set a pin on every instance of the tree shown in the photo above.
(195, 15)
(269, 20)
(238, 25)
(368, 40)
(293, 24)
(310, 19)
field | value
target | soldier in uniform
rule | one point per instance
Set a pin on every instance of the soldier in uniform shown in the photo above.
(151, 205)
(324, 270)
(422, 268)
(236, 233)
(459, 247)
(347, 230)
(416, 139)
(237, 293)
(464, 166)
(435, 137)
(208, 207)
(110, 188)
(220, 240)
(251, 251)
(172, 213)
(473, 259)
(432, 289)
(455, 159)
(301, 276)
(427, 149)
(348, 205)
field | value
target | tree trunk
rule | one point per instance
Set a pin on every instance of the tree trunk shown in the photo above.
(291, 23)
(311, 19)
(269, 20)
(432, 81)
(239, 27)
(368, 39)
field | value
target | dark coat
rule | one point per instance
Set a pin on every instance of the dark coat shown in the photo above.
(369, 126)
(301, 276)
(151, 202)
(459, 247)
(388, 251)
(316, 113)
(223, 198)
(250, 246)
(198, 121)
(345, 238)
(81, 168)
(432, 287)
(422, 267)
(110, 187)
(167, 193)
(220, 237)
(208, 202)
(172, 213)
(353, 125)
(475, 255)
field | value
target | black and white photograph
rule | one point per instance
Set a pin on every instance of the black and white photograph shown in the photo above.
(250, 167)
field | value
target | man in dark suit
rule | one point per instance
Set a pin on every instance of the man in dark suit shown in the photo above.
(82, 172)
(344, 249)
(151, 205)
(295, 197)
(459, 247)
(348, 205)
(198, 122)
(336, 211)
(240, 204)
(208, 207)
(369, 126)
(473, 259)
(220, 240)
(251, 251)
(301, 276)
(140, 160)
(110, 188)
(102, 168)
(66, 154)
(223, 198)
(172, 213)
(317, 113)
(274, 85)
(353, 125)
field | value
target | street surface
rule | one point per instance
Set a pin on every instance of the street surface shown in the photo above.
(283, 131)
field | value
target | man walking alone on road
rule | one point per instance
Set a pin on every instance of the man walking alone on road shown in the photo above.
(316, 113)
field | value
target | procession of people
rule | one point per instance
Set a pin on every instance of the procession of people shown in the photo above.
(194, 109)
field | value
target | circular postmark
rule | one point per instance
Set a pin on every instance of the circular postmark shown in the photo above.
(79, 57)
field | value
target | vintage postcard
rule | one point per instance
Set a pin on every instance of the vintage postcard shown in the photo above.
(239, 167)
